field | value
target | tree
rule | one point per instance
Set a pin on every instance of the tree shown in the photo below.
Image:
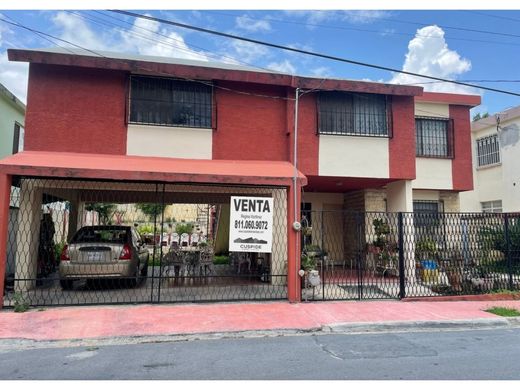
(184, 228)
(104, 210)
(151, 209)
(479, 116)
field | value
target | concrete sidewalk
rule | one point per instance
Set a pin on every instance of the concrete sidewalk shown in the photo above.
(73, 323)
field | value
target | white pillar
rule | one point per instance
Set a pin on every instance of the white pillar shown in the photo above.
(399, 198)
(28, 236)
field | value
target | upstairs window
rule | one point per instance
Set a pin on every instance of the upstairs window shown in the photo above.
(18, 138)
(170, 102)
(341, 113)
(488, 150)
(433, 137)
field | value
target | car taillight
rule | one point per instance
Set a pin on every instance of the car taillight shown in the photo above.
(64, 256)
(126, 253)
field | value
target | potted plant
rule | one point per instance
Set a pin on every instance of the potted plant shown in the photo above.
(453, 267)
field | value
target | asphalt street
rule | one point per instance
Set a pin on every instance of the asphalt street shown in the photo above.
(468, 354)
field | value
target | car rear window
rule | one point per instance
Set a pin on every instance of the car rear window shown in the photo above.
(113, 236)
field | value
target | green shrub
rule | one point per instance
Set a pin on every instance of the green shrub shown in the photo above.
(221, 260)
(20, 305)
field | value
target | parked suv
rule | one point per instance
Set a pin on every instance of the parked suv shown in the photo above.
(97, 252)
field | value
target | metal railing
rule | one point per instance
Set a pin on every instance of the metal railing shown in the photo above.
(369, 255)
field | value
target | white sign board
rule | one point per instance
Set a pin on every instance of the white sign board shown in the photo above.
(251, 224)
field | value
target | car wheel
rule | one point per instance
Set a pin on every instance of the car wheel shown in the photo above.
(134, 280)
(66, 284)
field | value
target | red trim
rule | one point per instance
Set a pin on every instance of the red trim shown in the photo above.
(207, 73)
(449, 98)
(114, 167)
(5, 195)
(461, 166)
(402, 144)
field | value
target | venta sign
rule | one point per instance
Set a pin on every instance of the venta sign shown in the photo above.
(251, 224)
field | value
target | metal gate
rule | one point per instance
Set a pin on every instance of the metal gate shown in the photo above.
(371, 255)
(341, 246)
(81, 242)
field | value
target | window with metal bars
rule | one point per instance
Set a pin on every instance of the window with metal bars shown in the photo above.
(494, 206)
(170, 102)
(363, 114)
(488, 150)
(427, 213)
(434, 137)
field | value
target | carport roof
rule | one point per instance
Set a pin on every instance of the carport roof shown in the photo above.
(138, 168)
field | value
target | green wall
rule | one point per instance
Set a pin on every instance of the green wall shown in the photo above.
(9, 113)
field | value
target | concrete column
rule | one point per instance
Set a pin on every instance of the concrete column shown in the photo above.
(399, 198)
(5, 194)
(74, 214)
(28, 236)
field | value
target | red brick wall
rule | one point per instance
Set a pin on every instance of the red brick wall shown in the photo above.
(461, 166)
(73, 109)
(402, 144)
(250, 127)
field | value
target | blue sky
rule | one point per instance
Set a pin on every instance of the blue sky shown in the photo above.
(418, 41)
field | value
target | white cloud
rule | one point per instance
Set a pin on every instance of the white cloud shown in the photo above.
(245, 23)
(428, 54)
(141, 38)
(364, 16)
(321, 71)
(13, 75)
(284, 66)
(246, 51)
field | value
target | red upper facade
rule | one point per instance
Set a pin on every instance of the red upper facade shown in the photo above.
(82, 103)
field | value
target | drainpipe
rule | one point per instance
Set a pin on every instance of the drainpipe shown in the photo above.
(295, 152)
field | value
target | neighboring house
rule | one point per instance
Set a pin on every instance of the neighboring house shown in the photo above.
(12, 122)
(361, 146)
(496, 164)
(12, 114)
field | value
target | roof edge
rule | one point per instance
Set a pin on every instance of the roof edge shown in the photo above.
(449, 98)
(208, 72)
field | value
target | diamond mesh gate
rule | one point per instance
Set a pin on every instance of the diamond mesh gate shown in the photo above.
(371, 255)
(80, 242)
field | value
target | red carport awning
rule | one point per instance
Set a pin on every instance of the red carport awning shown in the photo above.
(117, 167)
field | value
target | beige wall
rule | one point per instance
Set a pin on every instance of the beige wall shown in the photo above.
(500, 181)
(432, 109)
(433, 173)
(353, 156)
(162, 141)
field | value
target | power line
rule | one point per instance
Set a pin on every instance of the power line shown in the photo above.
(336, 27)
(307, 52)
(495, 16)
(148, 69)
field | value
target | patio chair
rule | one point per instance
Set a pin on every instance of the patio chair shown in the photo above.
(243, 258)
(173, 259)
(185, 239)
(206, 261)
(194, 239)
(175, 238)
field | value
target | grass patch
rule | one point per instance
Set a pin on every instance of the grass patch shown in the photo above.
(504, 311)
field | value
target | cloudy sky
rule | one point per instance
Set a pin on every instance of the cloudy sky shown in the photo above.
(436, 43)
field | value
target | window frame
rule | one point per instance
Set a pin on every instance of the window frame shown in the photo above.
(17, 135)
(387, 115)
(493, 149)
(494, 208)
(211, 119)
(450, 141)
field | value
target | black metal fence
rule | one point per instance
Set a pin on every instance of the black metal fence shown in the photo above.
(78, 242)
(363, 255)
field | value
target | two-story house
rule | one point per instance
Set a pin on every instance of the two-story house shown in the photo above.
(496, 158)
(151, 129)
